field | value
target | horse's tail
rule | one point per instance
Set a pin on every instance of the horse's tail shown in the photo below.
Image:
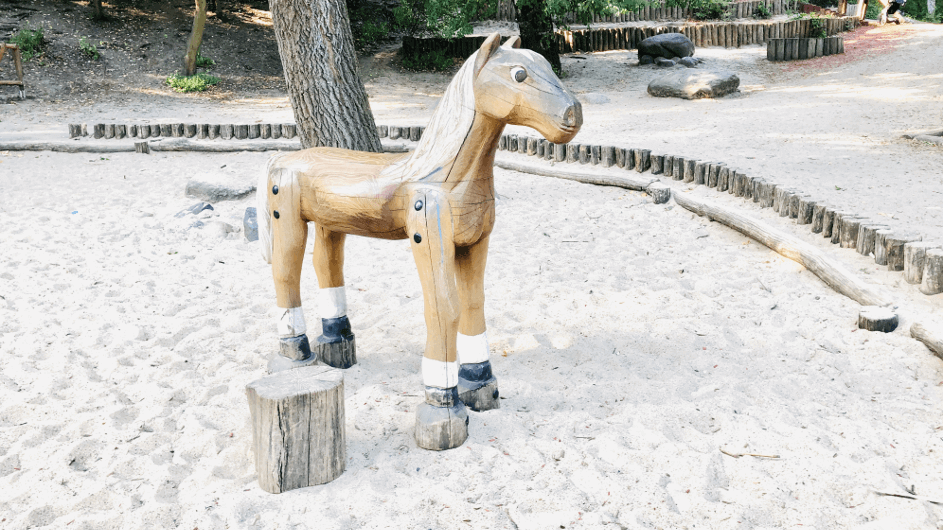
(262, 210)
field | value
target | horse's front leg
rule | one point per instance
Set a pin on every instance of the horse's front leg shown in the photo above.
(336, 345)
(289, 233)
(477, 386)
(441, 421)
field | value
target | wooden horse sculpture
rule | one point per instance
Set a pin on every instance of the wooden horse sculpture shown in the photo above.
(441, 197)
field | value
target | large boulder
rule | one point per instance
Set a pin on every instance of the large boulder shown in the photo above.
(694, 84)
(666, 45)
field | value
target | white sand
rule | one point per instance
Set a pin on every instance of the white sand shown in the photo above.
(632, 341)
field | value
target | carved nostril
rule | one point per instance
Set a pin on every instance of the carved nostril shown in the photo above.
(574, 115)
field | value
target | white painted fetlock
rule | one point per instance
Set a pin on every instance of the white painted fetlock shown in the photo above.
(292, 323)
(472, 349)
(439, 374)
(332, 302)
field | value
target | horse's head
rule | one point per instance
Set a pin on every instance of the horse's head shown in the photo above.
(518, 87)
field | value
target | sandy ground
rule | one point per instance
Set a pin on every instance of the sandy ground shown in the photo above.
(632, 341)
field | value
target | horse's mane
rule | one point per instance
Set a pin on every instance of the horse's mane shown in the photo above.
(446, 131)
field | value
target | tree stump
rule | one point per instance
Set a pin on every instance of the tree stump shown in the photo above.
(849, 232)
(865, 244)
(874, 318)
(915, 255)
(298, 432)
(642, 160)
(932, 281)
(880, 251)
(895, 250)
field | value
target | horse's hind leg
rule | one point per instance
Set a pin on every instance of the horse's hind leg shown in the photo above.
(289, 235)
(477, 386)
(336, 345)
(441, 421)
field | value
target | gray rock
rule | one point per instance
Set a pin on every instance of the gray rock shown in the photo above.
(645, 59)
(666, 45)
(690, 62)
(216, 188)
(661, 61)
(594, 99)
(250, 225)
(195, 209)
(689, 84)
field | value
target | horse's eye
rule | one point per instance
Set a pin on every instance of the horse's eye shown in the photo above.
(519, 74)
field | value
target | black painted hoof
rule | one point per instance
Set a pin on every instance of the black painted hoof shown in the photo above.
(477, 386)
(441, 421)
(295, 348)
(336, 345)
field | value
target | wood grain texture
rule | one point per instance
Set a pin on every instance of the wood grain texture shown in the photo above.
(441, 195)
(881, 319)
(930, 335)
(298, 430)
(829, 271)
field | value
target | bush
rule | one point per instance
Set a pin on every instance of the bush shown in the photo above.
(435, 60)
(709, 9)
(88, 49)
(204, 62)
(370, 34)
(762, 12)
(192, 83)
(30, 42)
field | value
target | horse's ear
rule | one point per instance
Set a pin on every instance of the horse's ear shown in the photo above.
(513, 42)
(491, 45)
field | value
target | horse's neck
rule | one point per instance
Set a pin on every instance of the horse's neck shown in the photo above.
(475, 158)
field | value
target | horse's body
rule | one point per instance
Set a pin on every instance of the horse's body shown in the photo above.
(441, 196)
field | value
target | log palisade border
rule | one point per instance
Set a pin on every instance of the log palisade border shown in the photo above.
(732, 34)
(921, 262)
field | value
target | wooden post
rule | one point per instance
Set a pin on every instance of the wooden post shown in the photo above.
(142, 147)
(609, 155)
(226, 131)
(658, 164)
(109, 131)
(255, 131)
(874, 318)
(203, 131)
(214, 131)
(594, 154)
(700, 173)
(585, 154)
(241, 131)
(189, 130)
(298, 434)
(915, 257)
(895, 250)
(932, 281)
(880, 250)
(642, 160)
(689, 165)
(806, 210)
(572, 153)
(678, 168)
(289, 130)
(865, 243)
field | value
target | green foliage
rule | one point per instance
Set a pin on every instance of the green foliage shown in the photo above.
(817, 29)
(30, 42)
(762, 12)
(192, 83)
(874, 10)
(370, 23)
(204, 62)
(436, 60)
(917, 9)
(823, 3)
(709, 9)
(371, 33)
(88, 49)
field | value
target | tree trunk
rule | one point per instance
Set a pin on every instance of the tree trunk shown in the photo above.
(328, 98)
(98, 10)
(196, 38)
(537, 31)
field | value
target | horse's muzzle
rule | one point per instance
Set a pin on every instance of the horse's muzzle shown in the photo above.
(573, 117)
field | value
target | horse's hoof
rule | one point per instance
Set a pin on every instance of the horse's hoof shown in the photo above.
(278, 363)
(295, 348)
(477, 386)
(441, 421)
(336, 345)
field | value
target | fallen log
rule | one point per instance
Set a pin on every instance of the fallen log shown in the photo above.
(932, 339)
(832, 273)
(658, 193)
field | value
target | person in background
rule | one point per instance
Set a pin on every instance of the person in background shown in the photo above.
(892, 9)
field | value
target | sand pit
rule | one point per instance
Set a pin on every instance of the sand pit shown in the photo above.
(638, 347)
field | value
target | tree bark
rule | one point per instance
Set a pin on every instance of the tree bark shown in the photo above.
(327, 96)
(537, 31)
(98, 10)
(196, 38)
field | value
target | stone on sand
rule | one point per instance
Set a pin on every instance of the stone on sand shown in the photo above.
(690, 84)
